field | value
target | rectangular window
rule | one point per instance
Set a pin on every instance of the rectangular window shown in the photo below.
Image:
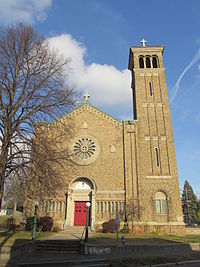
(120, 206)
(157, 158)
(97, 207)
(53, 205)
(116, 207)
(43, 206)
(101, 207)
(108, 206)
(50, 206)
(57, 205)
(113, 208)
(150, 89)
(60, 206)
(164, 206)
(158, 206)
(105, 206)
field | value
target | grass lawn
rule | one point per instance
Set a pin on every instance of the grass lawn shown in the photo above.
(110, 239)
(10, 238)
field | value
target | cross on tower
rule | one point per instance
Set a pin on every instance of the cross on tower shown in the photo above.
(86, 96)
(143, 42)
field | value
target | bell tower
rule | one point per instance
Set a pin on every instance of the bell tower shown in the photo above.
(157, 170)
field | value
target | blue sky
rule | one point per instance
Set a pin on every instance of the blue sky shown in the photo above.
(97, 34)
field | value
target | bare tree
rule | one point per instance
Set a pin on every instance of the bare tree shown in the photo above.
(14, 190)
(131, 213)
(32, 88)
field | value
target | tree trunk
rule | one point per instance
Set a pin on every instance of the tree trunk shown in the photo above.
(2, 181)
(14, 208)
(3, 161)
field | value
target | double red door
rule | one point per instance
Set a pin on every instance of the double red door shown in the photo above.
(80, 213)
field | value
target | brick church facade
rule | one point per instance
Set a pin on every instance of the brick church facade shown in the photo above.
(123, 164)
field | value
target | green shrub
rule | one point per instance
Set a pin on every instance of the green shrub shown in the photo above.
(109, 227)
(29, 223)
(46, 223)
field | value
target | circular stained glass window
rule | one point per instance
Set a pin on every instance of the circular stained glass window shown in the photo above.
(84, 148)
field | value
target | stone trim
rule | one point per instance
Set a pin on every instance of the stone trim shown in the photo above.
(110, 192)
(159, 177)
(162, 223)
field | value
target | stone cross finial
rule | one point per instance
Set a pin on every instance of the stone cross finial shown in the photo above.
(143, 42)
(86, 96)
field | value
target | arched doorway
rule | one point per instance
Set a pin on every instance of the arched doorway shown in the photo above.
(81, 190)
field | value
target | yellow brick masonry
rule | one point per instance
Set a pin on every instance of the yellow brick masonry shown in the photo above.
(150, 130)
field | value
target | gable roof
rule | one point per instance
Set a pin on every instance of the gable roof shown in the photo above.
(88, 106)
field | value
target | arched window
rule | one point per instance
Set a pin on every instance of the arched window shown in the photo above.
(155, 62)
(105, 207)
(148, 62)
(161, 203)
(141, 62)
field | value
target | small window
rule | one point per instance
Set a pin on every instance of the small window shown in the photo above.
(157, 157)
(148, 62)
(161, 203)
(97, 207)
(113, 208)
(43, 206)
(155, 62)
(60, 206)
(105, 207)
(101, 207)
(50, 206)
(141, 62)
(150, 89)
(116, 207)
(108, 206)
(120, 207)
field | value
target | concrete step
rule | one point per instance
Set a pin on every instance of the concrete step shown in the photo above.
(59, 246)
(76, 229)
(85, 262)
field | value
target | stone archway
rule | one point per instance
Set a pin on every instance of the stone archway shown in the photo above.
(81, 190)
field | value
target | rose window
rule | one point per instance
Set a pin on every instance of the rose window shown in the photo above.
(84, 148)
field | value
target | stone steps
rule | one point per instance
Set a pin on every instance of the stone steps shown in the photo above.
(58, 246)
(82, 262)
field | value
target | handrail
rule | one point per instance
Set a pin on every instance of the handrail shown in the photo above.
(82, 234)
(38, 234)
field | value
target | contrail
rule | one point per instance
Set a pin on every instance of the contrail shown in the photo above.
(175, 89)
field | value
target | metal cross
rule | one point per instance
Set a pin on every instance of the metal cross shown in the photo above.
(86, 96)
(143, 42)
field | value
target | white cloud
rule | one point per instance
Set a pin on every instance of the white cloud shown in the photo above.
(107, 85)
(26, 11)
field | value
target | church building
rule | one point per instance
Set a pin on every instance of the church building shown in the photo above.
(123, 164)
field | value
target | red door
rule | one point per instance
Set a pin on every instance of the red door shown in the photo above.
(80, 213)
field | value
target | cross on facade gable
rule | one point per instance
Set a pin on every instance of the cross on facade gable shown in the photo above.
(143, 42)
(86, 96)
